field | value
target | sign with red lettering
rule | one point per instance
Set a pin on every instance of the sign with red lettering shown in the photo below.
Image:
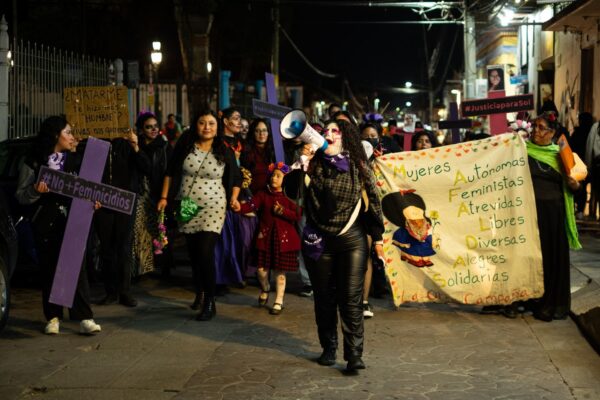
(472, 108)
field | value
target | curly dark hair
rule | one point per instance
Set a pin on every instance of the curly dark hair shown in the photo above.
(352, 145)
(251, 139)
(189, 137)
(46, 139)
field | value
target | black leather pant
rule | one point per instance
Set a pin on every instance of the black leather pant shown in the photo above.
(337, 278)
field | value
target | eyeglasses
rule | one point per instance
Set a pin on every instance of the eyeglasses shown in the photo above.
(332, 130)
(155, 126)
(541, 127)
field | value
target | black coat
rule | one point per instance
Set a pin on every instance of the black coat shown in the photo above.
(232, 177)
(124, 167)
(158, 152)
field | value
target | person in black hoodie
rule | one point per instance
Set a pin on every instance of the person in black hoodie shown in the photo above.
(54, 148)
(123, 169)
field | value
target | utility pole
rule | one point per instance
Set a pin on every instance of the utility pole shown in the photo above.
(275, 51)
(470, 56)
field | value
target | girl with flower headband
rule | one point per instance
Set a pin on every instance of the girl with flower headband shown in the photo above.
(277, 240)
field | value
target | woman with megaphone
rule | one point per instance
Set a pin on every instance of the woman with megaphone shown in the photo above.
(342, 208)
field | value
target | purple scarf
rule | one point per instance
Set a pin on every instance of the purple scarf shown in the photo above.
(340, 162)
(56, 161)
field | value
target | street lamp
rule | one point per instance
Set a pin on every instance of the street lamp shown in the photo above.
(408, 84)
(457, 93)
(156, 55)
(506, 15)
(209, 67)
(156, 58)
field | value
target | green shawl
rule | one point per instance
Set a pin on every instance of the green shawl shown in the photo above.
(549, 155)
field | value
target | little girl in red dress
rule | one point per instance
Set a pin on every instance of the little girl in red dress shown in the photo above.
(277, 242)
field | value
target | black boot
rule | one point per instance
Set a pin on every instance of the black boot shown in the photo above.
(197, 302)
(354, 363)
(327, 357)
(209, 310)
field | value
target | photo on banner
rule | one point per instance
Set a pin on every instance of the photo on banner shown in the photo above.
(461, 223)
(495, 74)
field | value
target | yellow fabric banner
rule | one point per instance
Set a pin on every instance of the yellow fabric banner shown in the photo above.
(460, 223)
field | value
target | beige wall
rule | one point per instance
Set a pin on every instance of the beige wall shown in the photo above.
(567, 78)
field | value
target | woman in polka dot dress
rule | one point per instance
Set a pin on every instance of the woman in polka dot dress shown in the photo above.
(202, 168)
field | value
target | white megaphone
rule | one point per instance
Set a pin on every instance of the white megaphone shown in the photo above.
(294, 125)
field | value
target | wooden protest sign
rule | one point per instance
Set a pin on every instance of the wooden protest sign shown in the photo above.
(98, 111)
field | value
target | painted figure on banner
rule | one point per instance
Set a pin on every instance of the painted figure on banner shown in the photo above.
(414, 238)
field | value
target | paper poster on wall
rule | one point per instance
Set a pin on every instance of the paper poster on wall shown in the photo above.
(460, 223)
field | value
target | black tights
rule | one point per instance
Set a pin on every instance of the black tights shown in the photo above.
(201, 248)
(337, 278)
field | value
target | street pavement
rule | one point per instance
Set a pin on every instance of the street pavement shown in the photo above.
(423, 352)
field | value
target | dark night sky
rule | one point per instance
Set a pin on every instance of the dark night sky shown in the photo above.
(370, 56)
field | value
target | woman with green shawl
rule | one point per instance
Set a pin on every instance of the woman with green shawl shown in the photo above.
(556, 219)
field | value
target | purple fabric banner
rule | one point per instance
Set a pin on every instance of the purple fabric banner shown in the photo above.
(272, 98)
(77, 230)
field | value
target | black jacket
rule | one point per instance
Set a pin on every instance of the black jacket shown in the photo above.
(124, 166)
(158, 152)
(232, 177)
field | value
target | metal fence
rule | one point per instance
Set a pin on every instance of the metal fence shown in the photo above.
(37, 77)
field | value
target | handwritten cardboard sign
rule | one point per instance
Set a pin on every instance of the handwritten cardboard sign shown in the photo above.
(98, 111)
(78, 188)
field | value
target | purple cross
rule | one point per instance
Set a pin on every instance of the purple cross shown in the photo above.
(77, 230)
(272, 98)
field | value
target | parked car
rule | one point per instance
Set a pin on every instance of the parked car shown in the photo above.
(12, 156)
(8, 258)
(16, 240)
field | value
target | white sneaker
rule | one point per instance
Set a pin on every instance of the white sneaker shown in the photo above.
(52, 327)
(88, 327)
(368, 311)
